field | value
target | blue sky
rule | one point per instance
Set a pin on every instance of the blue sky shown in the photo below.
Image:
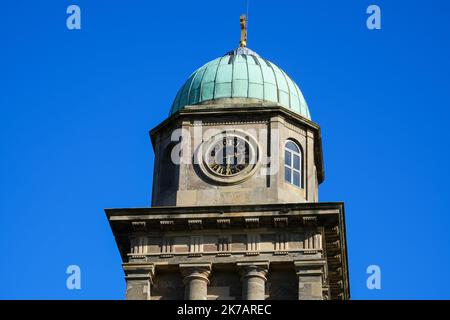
(76, 107)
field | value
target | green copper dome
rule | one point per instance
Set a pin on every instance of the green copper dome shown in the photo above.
(241, 74)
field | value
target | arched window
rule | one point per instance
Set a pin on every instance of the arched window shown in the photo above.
(293, 163)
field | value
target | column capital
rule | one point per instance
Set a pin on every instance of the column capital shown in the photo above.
(195, 279)
(253, 269)
(139, 279)
(191, 271)
(139, 271)
(309, 267)
(253, 277)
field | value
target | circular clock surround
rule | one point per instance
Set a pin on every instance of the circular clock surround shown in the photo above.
(229, 157)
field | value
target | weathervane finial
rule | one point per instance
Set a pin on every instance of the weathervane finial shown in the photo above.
(243, 42)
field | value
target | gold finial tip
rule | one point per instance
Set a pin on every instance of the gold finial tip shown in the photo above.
(243, 41)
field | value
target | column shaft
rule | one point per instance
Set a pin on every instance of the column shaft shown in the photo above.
(310, 279)
(196, 289)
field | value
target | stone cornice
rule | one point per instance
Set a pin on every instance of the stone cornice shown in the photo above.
(271, 208)
(330, 216)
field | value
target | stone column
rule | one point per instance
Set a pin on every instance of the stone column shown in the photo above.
(253, 277)
(139, 278)
(310, 274)
(195, 278)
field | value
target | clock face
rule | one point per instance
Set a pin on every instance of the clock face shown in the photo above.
(229, 156)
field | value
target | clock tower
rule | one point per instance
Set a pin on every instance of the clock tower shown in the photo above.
(235, 211)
